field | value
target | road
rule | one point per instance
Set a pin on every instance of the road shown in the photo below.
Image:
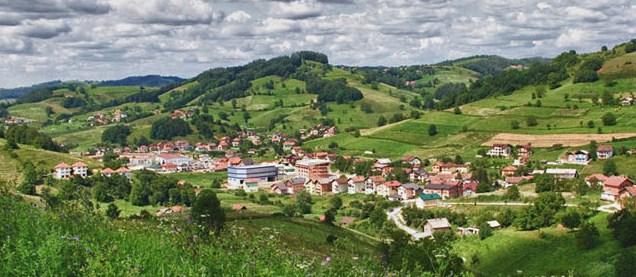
(395, 215)
(497, 204)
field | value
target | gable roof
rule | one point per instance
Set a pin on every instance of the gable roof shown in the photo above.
(604, 148)
(79, 164)
(617, 181)
(438, 223)
(62, 165)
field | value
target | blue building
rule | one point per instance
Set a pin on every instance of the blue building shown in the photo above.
(248, 177)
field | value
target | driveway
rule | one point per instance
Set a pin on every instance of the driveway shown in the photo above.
(395, 215)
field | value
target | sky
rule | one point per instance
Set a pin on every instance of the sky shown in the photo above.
(43, 40)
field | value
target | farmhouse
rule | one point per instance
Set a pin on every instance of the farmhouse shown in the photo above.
(604, 152)
(499, 150)
(425, 200)
(80, 169)
(357, 185)
(581, 157)
(413, 161)
(614, 186)
(372, 184)
(441, 167)
(340, 185)
(62, 171)
(408, 191)
(435, 225)
(319, 186)
(388, 188)
(509, 171)
(238, 176)
(447, 189)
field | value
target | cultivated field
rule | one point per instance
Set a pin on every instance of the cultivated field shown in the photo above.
(550, 140)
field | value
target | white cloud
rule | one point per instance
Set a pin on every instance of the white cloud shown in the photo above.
(239, 16)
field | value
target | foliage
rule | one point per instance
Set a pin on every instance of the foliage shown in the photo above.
(609, 119)
(303, 202)
(609, 168)
(571, 219)
(485, 231)
(117, 134)
(332, 90)
(587, 237)
(623, 224)
(432, 130)
(512, 193)
(167, 128)
(207, 212)
(542, 213)
(112, 211)
(73, 102)
(28, 135)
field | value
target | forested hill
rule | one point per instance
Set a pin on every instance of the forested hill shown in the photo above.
(146, 81)
(7, 93)
(492, 64)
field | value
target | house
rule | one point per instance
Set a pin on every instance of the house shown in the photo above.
(236, 142)
(581, 157)
(499, 150)
(295, 185)
(107, 172)
(614, 186)
(372, 183)
(524, 151)
(123, 172)
(178, 159)
(515, 180)
(469, 188)
(418, 175)
(509, 171)
(562, 173)
(627, 100)
(387, 189)
(140, 160)
(245, 177)
(380, 164)
(597, 179)
(80, 169)
(357, 185)
(435, 225)
(441, 167)
(446, 189)
(408, 191)
(425, 200)
(62, 171)
(340, 185)
(604, 152)
(319, 186)
(170, 210)
(415, 162)
(313, 168)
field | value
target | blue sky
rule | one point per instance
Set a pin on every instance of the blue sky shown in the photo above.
(43, 40)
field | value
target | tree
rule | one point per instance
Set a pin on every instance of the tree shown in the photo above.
(116, 134)
(112, 211)
(625, 264)
(330, 216)
(513, 193)
(590, 124)
(207, 212)
(514, 124)
(432, 130)
(336, 202)
(609, 119)
(609, 168)
(531, 121)
(485, 231)
(587, 236)
(29, 179)
(571, 219)
(167, 128)
(457, 110)
(303, 202)
(381, 121)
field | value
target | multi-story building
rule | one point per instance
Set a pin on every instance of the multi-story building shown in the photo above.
(313, 168)
(238, 176)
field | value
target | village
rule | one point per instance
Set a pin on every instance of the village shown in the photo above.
(424, 184)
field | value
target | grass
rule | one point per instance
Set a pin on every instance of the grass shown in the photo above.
(203, 180)
(308, 237)
(619, 67)
(509, 252)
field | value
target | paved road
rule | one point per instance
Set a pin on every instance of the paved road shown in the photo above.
(395, 215)
(497, 204)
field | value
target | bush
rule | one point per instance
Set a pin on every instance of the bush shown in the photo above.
(485, 231)
(609, 119)
(587, 237)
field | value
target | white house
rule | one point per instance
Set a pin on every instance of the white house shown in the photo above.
(499, 150)
(562, 173)
(80, 169)
(435, 225)
(357, 184)
(62, 171)
(169, 158)
(581, 157)
(424, 200)
(604, 152)
(340, 185)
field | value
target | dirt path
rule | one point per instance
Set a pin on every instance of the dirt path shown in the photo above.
(550, 140)
(368, 132)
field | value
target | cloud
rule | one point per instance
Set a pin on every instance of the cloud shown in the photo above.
(44, 29)
(296, 10)
(97, 39)
(169, 12)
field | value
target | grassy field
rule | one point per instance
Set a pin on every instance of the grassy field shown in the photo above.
(620, 67)
(200, 179)
(509, 252)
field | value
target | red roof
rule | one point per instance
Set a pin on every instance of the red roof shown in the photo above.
(598, 177)
(394, 184)
(377, 179)
(169, 166)
(617, 182)
(169, 156)
(107, 170)
(122, 170)
(234, 160)
(604, 148)
(79, 164)
(358, 179)
(62, 165)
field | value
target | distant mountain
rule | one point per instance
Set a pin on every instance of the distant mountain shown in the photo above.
(490, 64)
(146, 81)
(10, 93)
